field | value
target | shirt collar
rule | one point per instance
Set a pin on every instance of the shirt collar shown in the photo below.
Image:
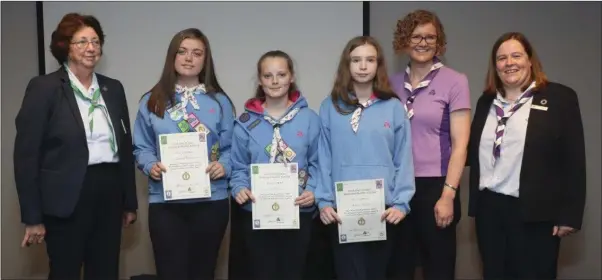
(88, 91)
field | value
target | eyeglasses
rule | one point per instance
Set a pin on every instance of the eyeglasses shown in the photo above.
(430, 39)
(84, 44)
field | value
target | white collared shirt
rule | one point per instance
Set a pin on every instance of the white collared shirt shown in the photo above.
(504, 176)
(99, 145)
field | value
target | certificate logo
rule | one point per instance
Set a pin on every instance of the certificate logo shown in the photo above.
(379, 184)
(339, 187)
(343, 238)
(275, 206)
(361, 221)
(202, 137)
(293, 168)
(168, 194)
(256, 224)
(255, 169)
(163, 140)
(186, 176)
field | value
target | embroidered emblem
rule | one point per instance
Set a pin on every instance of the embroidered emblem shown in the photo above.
(192, 120)
(202, 128)
(212, 111)
(184, 126)
(387, 124)
(253, 124)
(300, 133)
(244, 117)
(175, 112)
(432, 92)
(215, 152)
(543, 102)
(289, 154)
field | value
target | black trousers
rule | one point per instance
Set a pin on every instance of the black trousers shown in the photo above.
(421, 240)
(91, 236)
(362, 260)
(320, 259)
(511, 248)
(186, 238)
(277, 254)
(238, 267)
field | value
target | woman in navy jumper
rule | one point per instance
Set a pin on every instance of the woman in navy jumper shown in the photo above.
(186, 234)
(276, 127)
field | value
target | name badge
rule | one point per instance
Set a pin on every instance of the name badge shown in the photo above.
(538, 107)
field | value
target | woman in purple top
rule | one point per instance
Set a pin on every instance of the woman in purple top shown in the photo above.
(437, 101)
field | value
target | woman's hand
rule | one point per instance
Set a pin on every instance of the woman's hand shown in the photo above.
(33, 235)
(444, 211)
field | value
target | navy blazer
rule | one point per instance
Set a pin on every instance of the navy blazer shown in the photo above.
(51, 149)
(552, 179)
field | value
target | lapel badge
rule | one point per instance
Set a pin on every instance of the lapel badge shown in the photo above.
(543, 102)
(104, 88)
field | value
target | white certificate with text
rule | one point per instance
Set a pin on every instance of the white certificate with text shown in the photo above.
(185, 157)
(360, 205)
(275, 187)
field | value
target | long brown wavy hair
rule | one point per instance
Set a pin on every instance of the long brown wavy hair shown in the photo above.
(343, 84)
(163, 93)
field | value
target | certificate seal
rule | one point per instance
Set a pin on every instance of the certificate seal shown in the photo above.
(186, 176)
(275, 206)
(361, 222)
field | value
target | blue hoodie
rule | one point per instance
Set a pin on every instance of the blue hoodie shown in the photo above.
(217, 117)
(253, 135)
(382, 148)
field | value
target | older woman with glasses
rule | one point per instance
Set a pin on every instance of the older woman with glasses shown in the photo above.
(74, 167)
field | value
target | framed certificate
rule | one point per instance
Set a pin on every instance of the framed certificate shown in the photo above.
(360, 205)
(184, 155)
(275, 187)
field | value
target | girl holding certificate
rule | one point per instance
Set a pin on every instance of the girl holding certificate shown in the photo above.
(277, 129)
(186, 234)
(365, 136)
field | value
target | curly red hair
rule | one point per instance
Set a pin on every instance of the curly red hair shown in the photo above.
(406, 25)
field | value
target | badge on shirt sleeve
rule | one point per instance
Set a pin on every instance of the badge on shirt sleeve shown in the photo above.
(253, 124)
(244, 117)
